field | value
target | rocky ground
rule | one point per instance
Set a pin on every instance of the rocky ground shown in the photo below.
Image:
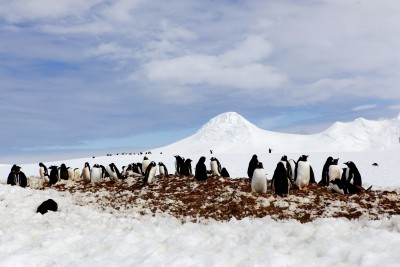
(224, 198)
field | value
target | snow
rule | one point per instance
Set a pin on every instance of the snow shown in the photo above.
(80, 235)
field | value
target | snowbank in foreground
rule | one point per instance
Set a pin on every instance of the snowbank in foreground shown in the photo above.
(80, 236)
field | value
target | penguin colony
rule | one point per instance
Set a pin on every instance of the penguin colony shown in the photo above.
(289, 174)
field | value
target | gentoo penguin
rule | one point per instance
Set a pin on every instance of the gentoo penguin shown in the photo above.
(201, 170)
(303, 173)
(252, 166)
(48, 205)
(287, 166)
(17, 177)
(280, 180)
(354, 174)
(86, 172)
(343, 187)
(186, 169)
(325, 170)
(334, 171)
(224, 173)
(71, 174)
(215, 166)
(259, 179)
(145, 163)
(43, 172)
(162, 169)
(178, 164)
(63, 172)
(77, 174)
(292, 164)
(113, 172)
(345, 174)
(53, 174)
(95, 174)
(150, 174)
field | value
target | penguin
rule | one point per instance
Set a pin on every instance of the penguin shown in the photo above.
(324, 177)
(63, 172)
(17, 177)
(113, 172)
(186, 169)
(145, 163)
(354, 174)
(150, 174)
(252, 166)
(343, 187)
(95, 174)
(292, 164)
(215, 166)
(201, 170)
(86, 172)
(139, 168)
(287, 166)
(333, 170)
(280, 180)
(178, 164)
(162, 169)
(225, 173)
(71, 174)
(77, 174)
(53, 175)
(43, 172)
(345, 174)
(303, 173)
(259, 179)
(48, 205)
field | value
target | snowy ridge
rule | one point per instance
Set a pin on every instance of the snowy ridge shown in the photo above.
(231, 133)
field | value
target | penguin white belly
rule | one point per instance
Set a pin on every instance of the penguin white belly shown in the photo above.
(71, 174)
(333, 172)
(161, 170)
(259, 181)
(292, 166)
(145, 163)
(152, 174)
(214, 168)
(95, 175)
(86, 174)
(338, 189)
(41, 172)
(303, 174)
(77, 174)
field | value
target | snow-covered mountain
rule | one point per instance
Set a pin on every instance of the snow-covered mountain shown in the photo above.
(231, 133)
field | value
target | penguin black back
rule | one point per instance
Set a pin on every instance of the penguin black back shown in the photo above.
(252, 166)
(200, 173)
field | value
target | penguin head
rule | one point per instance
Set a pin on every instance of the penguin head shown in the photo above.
(145, 158)
(259, 165)
(303, 158)
(284, 158)
(202, 159)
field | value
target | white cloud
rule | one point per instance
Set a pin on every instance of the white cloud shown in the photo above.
(364, 107)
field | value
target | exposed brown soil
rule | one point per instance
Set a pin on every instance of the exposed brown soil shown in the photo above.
(224, 198)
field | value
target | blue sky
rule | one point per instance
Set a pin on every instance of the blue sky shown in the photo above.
(77, 76)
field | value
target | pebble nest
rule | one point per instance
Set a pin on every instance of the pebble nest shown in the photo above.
(223, 199)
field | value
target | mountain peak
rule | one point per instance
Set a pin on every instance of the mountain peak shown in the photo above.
(228, 125)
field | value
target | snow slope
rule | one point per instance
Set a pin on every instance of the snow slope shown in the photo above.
(231, 133)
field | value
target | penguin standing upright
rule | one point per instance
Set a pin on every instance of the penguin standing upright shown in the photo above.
(354, 174)
(280, 180)
(200, 173)
(178, 164)
(325, 170)
(259, 179)
(53, 175)
(292, 164)
(186, 168)
(287, 166)
(43, 172)
(17, 177)
(150, 174)
(303, 173)
(95, 174)
(162, 169)
(215, 166)
(77, 174)
(145, 163)
(334, 171)
(252, 166)
(63, 172)
(71, 174)
(86, 172)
